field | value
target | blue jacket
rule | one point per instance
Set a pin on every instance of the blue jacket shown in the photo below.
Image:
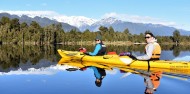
(100, 49)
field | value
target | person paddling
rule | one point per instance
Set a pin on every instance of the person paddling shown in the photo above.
(100, 48)
(152, 49)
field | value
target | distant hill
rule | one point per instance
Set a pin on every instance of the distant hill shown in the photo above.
(134, 28)
(43, 21)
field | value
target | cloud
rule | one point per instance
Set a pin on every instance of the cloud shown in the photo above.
(41, 71)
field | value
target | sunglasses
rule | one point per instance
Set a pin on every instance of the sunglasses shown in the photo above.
(97, 40)
(147, 37)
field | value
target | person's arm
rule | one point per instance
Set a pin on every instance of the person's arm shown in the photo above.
(148, 54)
(96, 50)
(96, 73)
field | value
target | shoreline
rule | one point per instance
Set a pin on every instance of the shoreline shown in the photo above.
(91, 43)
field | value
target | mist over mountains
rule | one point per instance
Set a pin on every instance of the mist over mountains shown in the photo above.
(83, 23)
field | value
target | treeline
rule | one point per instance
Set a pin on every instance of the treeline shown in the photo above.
(12, 31)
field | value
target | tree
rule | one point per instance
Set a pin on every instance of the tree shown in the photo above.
(103, 29)
(5, 20)
(126, 34)
(86, 35)
(23, 27)
(176, 36)
(35, 31)
(15, 24)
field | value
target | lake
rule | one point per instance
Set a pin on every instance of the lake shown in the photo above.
(34, 69)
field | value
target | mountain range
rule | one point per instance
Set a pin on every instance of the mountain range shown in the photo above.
(43, 21)
(82, 23)
(134, 28)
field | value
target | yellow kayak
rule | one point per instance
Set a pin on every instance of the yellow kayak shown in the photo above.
(125, 60)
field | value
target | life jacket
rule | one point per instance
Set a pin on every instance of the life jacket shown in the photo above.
(102, 51)
(156, 52)
(155, 78)
(102, 73)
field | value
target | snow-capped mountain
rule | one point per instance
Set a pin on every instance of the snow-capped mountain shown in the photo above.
(107, 21)
(103, 22)
(77, 21)
(43, 21)
(134, 28)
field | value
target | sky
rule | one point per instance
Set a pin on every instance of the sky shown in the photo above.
(167, 12)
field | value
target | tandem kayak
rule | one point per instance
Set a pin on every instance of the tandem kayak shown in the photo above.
(124, 60)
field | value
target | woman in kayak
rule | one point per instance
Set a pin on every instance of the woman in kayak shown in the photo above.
(152, 49)
(100, 48)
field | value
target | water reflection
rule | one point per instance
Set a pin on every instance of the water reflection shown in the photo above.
(151, 76)
(99, 74)
(14, 56)
(34, 66)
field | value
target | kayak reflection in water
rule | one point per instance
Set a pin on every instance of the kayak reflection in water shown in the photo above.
(152, 81)
(99, 74)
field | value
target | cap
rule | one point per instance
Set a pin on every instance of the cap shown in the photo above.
(99, 37)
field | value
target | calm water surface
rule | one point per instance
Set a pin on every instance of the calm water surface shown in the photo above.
(34, 70)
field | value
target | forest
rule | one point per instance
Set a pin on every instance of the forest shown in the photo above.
(14, 32)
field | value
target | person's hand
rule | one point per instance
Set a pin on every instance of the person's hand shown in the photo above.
(82, 49)
(86, 53)
(133, 56)
(125, 54)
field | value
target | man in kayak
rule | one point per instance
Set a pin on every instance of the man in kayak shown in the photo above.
(152, 49)
(100, 48)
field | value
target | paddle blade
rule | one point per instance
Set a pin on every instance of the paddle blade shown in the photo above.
(126, 74)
